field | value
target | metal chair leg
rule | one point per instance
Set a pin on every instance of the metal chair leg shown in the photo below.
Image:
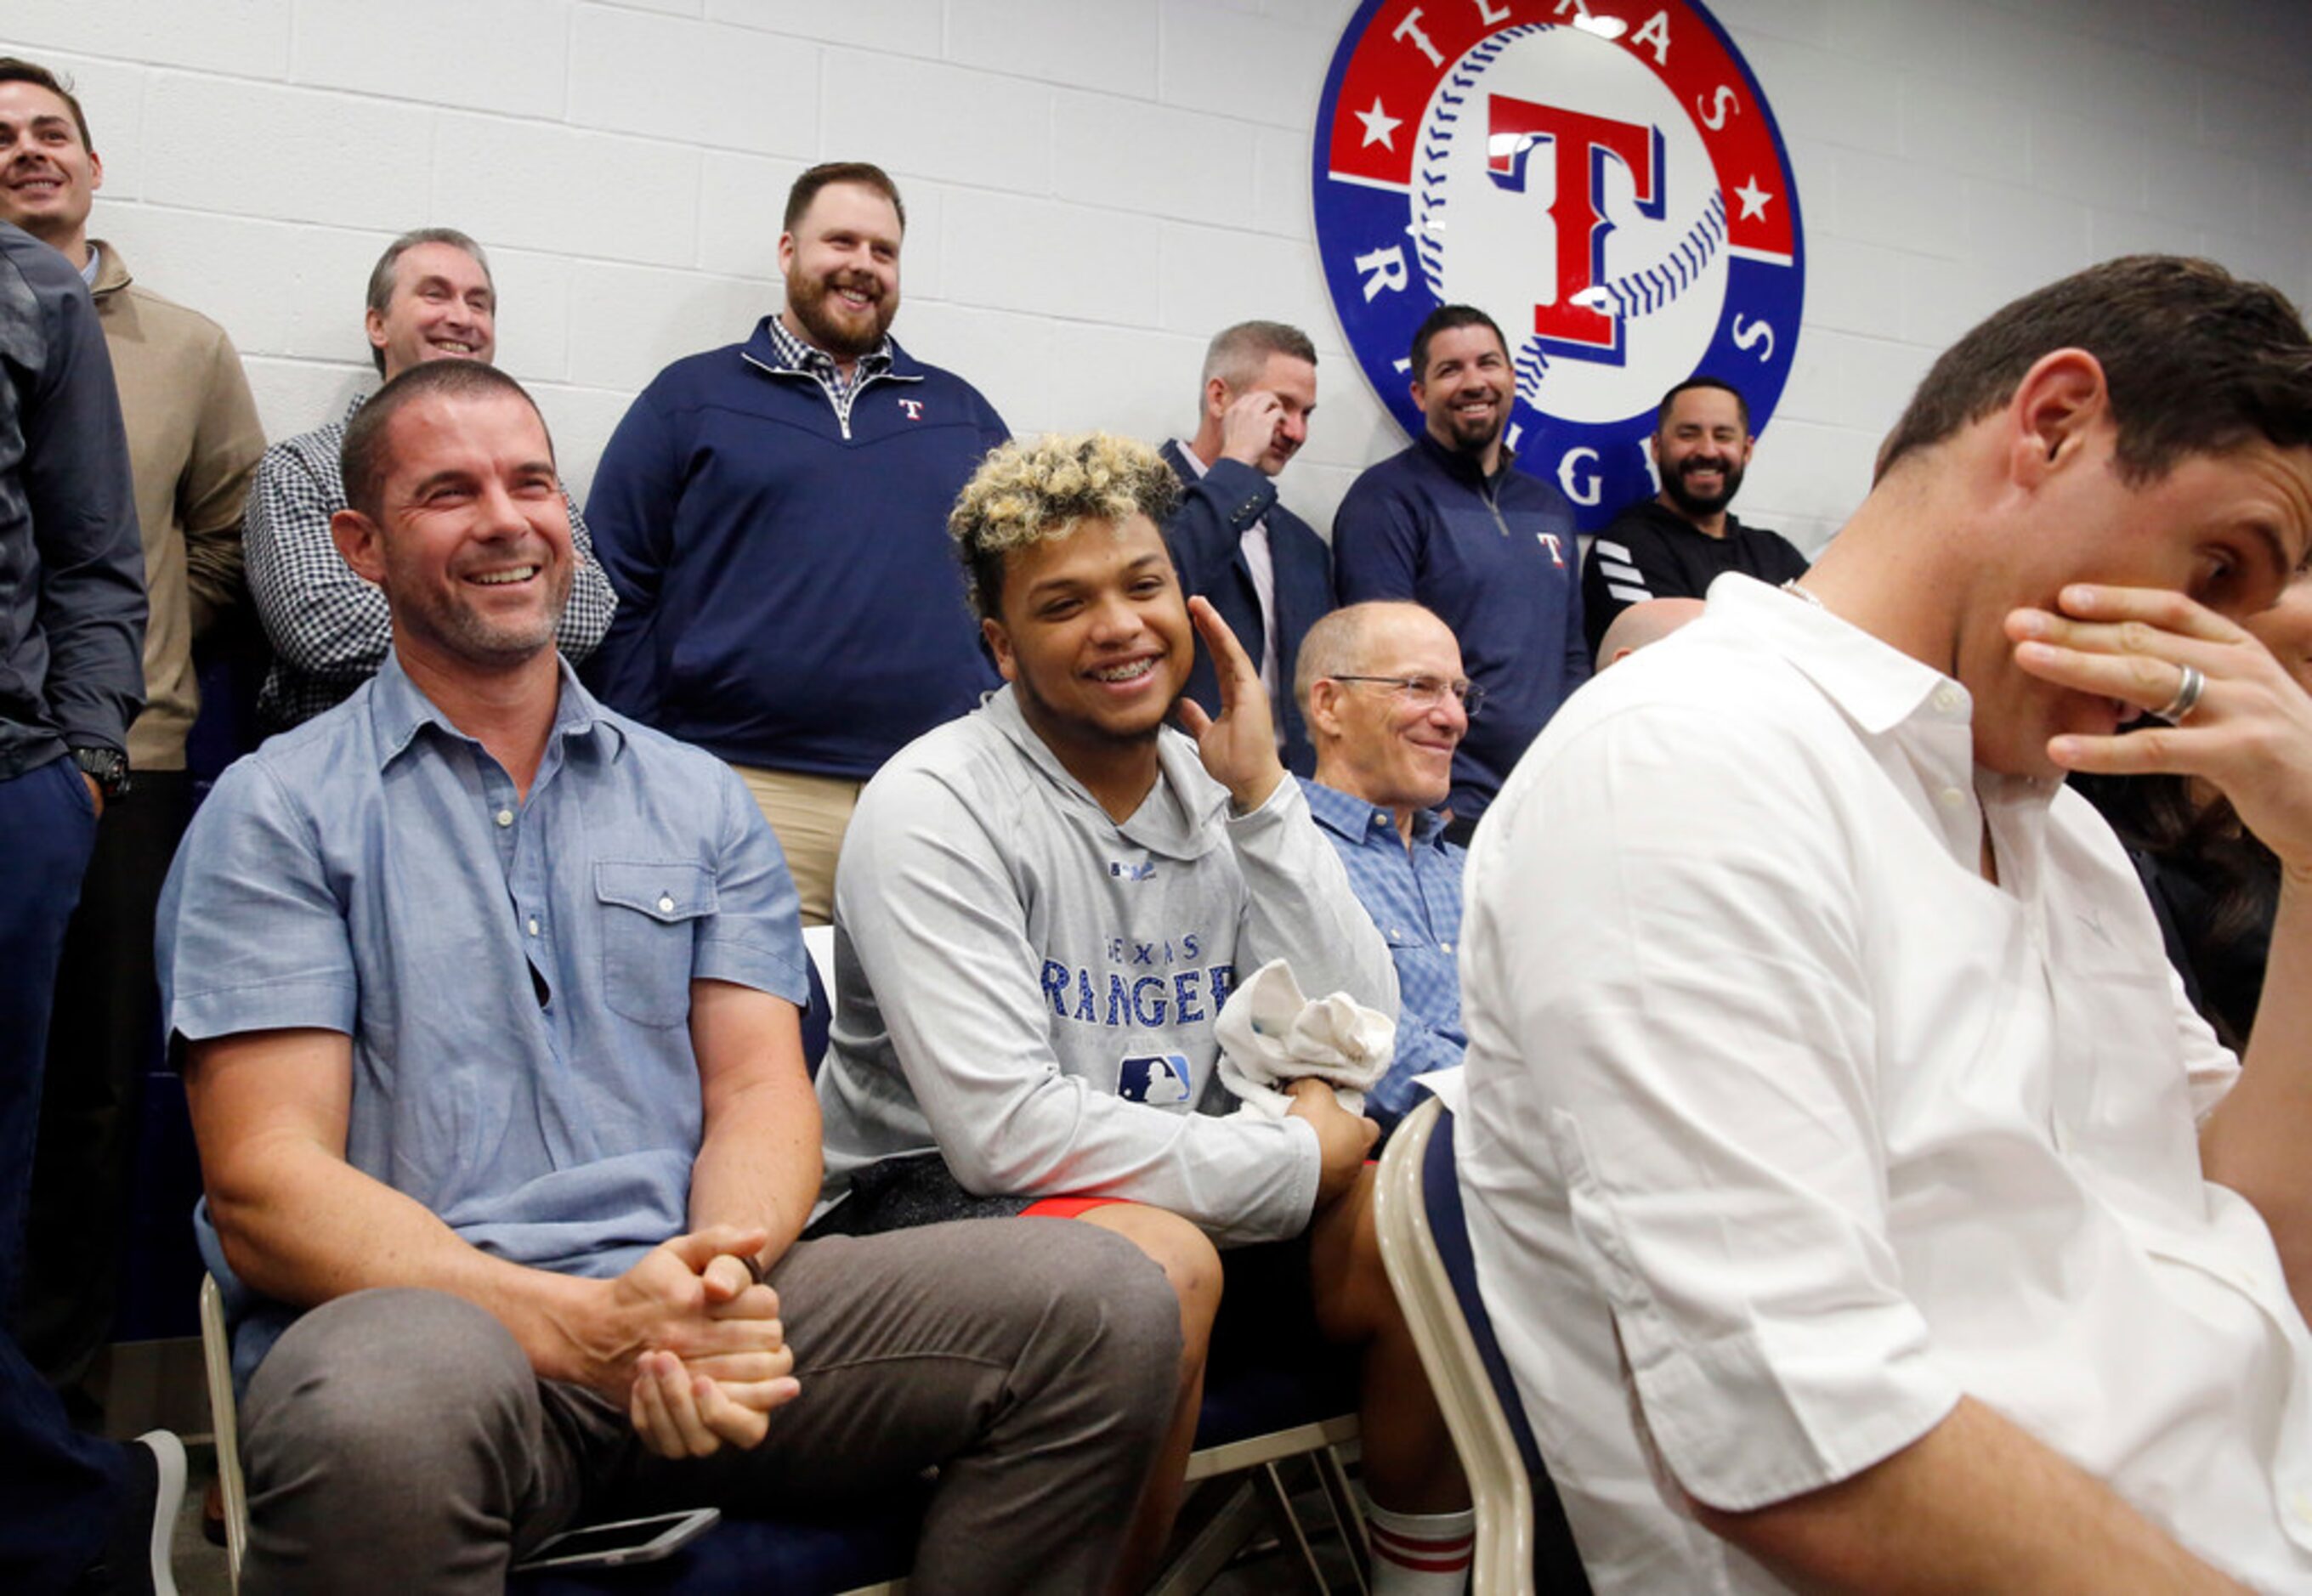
(1288, 1524)
(1342, 1497)
(1211, 1548)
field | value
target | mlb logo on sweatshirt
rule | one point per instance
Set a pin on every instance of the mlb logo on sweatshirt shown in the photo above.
(1158, 1079)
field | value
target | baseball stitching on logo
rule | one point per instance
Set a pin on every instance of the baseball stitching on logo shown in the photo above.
(1633, 294)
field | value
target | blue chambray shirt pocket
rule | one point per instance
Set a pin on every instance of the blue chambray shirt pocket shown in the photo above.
(651, 913)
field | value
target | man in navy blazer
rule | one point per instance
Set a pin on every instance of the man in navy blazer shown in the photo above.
(1264, 568)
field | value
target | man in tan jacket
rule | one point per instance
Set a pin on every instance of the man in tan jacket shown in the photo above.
(193, 441)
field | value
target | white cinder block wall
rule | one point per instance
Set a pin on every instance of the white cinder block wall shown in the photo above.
(1096, 186)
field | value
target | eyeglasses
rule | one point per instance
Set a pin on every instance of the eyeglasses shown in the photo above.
(1423, 693)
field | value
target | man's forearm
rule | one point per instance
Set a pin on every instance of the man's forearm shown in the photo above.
(1976, 1504)
(2254, 1141)
(305, 1227)
(758, 1162)
(758, 1166)
(214, 579)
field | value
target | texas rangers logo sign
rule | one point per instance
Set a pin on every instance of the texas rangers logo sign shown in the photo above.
(1601, 177)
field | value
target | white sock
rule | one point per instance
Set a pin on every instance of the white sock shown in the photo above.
(1420, 1554)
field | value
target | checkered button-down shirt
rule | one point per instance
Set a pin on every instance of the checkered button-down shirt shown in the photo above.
(819, 366)
(1414, 898)
(330, 630)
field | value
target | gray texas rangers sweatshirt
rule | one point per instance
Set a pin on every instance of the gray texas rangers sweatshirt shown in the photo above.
(1030, 987)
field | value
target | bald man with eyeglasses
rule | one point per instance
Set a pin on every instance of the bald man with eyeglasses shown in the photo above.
(1383, 694)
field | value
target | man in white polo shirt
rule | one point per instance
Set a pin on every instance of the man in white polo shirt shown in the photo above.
(1861, 1206)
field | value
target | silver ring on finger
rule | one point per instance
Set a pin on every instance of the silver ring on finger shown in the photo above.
(2188, 688)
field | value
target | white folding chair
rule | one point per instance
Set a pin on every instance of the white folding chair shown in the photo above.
(224, 1424)
(1522, 1535)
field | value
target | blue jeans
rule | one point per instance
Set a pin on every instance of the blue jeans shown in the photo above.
(57, 1486)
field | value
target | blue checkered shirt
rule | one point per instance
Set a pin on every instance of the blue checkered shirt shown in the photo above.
(1414, 898)
(816, 364)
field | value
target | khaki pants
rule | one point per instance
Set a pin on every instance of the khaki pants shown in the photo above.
(808, 815)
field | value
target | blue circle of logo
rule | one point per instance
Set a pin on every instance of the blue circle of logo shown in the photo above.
(1612, 191)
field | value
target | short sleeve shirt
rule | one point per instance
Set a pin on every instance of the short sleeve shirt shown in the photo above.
(514, 974)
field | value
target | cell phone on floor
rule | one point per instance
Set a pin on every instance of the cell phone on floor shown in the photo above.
(628, 1540)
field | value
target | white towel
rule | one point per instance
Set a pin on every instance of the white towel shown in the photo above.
(1270, 1035)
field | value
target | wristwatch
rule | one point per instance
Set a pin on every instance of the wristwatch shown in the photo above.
(108, 768)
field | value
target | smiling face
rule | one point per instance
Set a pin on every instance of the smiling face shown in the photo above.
(442, 308)
(1094, 636)
(472, 541)
(1702, 450)
(49, 176)
(841, 267)
(1465, 392)
(2227, 529)
(1375, 742)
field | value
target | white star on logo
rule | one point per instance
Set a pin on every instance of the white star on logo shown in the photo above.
(1754, 199)
(1378, 125)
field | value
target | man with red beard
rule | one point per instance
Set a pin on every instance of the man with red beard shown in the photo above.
(767, 507)
(1675, 544)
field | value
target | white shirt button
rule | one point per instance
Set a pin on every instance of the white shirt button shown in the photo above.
(1948, 699)
(505, 817)
(533, 925)
(1445, 947)
(666, 905)
(1951, 797)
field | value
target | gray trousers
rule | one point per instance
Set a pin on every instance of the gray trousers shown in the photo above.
(398, 1441)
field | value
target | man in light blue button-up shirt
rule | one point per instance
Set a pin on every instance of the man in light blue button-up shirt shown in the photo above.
(1382, 693)
(492, 1004)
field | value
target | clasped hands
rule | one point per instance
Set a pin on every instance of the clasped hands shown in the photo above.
(693, 1345)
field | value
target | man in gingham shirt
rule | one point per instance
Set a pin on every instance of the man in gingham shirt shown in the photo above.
(431, 297)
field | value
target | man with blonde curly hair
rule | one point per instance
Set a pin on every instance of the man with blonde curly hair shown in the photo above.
(1040, 910)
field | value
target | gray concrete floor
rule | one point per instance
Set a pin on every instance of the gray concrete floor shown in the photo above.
(201, 1569)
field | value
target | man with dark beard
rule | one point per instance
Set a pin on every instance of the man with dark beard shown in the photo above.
(1675, 544)
(1450, 524)
(774, 517)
